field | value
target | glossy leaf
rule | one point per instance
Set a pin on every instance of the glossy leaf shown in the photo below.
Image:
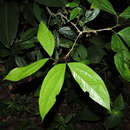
(22, 72)
(51, 87)
(90, 82)
(89, 16)
(65, 43)
(125, 34)
(122, 62)
(117, 44)
(75, 12)
(9, 14)
(104, 5)
(67, 32)
(53, 3)
(126, 13)
(46, 39)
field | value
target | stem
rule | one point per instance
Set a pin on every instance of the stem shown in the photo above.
(67, 55)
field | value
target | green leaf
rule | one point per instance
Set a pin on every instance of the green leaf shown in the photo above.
(95, 54)
(67, 32)
(9, 14)
(46, 39)
(79, 53)
(22, 72)
(28, 34)
(75, 12)
(73, 4)
(53, 3)
(51, 87)
(90, 82)
(104, 5)
(122, 62)
(125, 34)
(89, 16)
(119, 103)
(126, 13)
(37, 12)
(117, 44)
(65, 43)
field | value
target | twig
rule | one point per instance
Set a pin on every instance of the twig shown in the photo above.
(75, 41)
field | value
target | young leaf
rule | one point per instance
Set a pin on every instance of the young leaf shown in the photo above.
(126, 13)
(125, 34)
(46, 39)
(104, 5)
(117, 44)
(9, 13)
(75, 12)
(91, 82)
(121, 59)
(22, 72)
(51, 87)
(73, 4)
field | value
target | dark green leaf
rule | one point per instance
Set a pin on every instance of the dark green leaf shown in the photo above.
(65, 43)
(125, 34)
(122, 62)
(46, 39)
(37, 12)
(104, 5)
(95, 54)
(22, 72)
(117, 44)
(89, 16)
(20, 62)
(88, 115)
(79, 53)
(90, 82)
(9, 14)
(119, 103)
(30, 33)
(67, 32)
(53, 3)
(126, 13)
(51, 87)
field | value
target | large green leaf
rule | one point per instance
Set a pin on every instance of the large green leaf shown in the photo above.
(9, 14)
(125, 34)
(122, 62)
(126, 13)
(53, 3)
(46, 39)
(91, 82)
(51, 87)
(23, 72)
(104, 5)
(117, 44)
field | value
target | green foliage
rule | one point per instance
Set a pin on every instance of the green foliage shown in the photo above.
(48, 91)
(75, 37)
(90, 82)
(9, 14)
(46, 39)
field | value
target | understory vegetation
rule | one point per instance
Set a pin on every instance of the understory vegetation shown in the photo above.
(65, 65)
